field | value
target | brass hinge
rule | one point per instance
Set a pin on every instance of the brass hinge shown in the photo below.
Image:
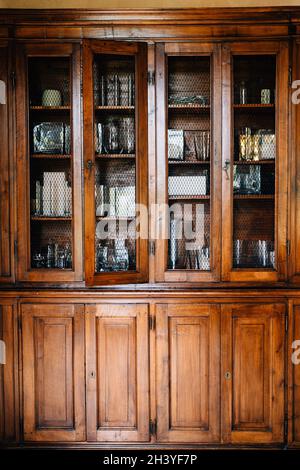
(151, 77)
(288, 247)
(13, 79)
(152, 322)
(152, 427)
(290, 75)
(152, 247)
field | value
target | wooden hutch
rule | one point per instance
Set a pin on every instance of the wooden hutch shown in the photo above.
(151, 341)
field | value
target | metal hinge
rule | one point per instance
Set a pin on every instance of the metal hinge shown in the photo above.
(286, 322)
(290, 75)
(152, 427)
(151, 77)
(152, 247)
(288, 247)
(286, 429)
(13, 79)
(20, 324)
(152, 322)
(16, 249)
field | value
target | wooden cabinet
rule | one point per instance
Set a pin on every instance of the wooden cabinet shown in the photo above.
(115, 142)
(49, 195)
(53, 372)
(8, 373)
(117, 375)
(253, 345)
(254, 161)
(293, 358)
(6, 159)
(188, 368)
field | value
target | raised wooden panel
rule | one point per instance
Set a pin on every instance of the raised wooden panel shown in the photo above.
(188, 353)
(117, 372)
(253, 373)
(8, 370)
(53, 372)
(296, 377)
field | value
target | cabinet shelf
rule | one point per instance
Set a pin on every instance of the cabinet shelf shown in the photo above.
(114, 108)
(53, 156)
(114, 217)
(186, 162)
(187, 198)
(110, 156)
(50, 108)
(253, 196)
(189, 107)
(271, 161)
(42, 218)
(257, 106)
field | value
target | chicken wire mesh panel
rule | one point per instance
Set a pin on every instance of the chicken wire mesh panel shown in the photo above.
(49, 81)
(51, 244)
(253, 179)
(114, 80)
(50, 188)
(188, 181)
(115, 135)
(189, 236)
(50, 135)
(115, 203)
(253, 234)
(254, 79)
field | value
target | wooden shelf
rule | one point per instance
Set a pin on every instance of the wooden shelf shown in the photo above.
(50, 108)
(193, 107)
(53, 156)
(187, 198)
(114, 108)
(271, 161)
(257, 106)
(110, 156)
(187, 162)
(253, 196)
(44, 218)
(114, 217)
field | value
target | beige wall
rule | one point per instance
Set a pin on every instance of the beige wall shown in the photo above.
(104, 4)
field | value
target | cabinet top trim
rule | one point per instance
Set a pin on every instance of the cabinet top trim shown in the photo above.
(152, 16)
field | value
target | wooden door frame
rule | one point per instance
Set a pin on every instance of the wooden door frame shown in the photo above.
(281, 50)
(139, 51)
(24, 271)
(163, 313)
(140, 313)
(164, 50)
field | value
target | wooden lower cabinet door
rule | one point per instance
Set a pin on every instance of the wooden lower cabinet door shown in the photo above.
(252, 399)
(117, 371)
(53, 372)
(187, 368)
(294, 364)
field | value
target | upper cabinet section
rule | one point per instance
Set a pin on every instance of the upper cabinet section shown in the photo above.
(115, 158)
(254, 143)
(188, 148)
(49, 163)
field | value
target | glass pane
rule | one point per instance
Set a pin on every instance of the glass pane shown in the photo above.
(254, 162)
(50, 162)
(189, 137)
(115, 156)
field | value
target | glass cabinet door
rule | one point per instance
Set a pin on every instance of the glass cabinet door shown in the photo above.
(254, 163)
(48, 101)
(115, 151)
(188, 92)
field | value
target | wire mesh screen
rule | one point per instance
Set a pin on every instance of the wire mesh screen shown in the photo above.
(49, 81)
(115, 175)
(114, 80)
(50, 165)
(254, 170)
(51, 244)
(189, 150)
